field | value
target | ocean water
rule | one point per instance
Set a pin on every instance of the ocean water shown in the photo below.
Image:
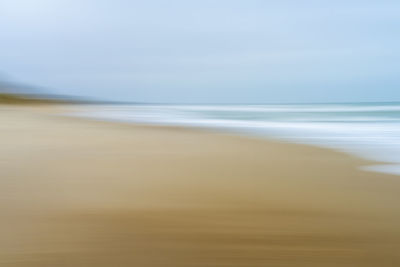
(369, 130)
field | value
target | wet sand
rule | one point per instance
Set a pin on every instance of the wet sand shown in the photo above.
(80, 193)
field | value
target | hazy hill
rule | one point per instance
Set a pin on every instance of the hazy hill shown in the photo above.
(13, 93)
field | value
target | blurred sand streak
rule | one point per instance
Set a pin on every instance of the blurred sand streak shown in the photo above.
(82, 193)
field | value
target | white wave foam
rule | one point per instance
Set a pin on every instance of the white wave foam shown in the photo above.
(370, 135)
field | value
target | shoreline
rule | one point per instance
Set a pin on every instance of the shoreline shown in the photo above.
(372, 163)
(77, 192)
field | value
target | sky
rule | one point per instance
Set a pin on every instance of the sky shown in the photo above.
(205, 51)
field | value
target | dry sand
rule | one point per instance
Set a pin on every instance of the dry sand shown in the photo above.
(79, 193)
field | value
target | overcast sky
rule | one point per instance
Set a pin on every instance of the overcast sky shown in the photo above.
(241, 51)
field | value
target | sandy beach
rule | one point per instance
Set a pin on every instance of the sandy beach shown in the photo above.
(81, 193)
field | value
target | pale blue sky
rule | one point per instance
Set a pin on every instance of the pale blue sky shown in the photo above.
(247, 51)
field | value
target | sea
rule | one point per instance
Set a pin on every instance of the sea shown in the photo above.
(367, 130)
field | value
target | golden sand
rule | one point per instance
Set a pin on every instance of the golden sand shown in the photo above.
(79, 193)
